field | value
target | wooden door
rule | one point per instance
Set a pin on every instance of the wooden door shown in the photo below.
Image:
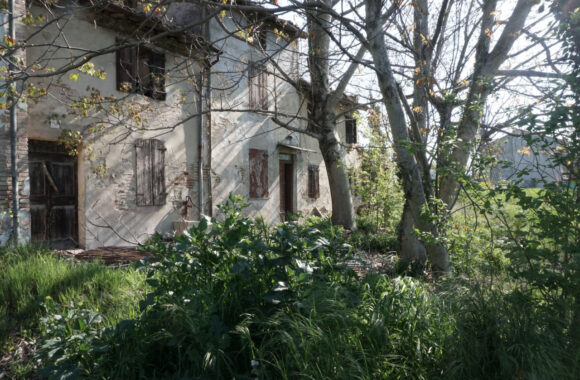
(286, 188)
(53, 195)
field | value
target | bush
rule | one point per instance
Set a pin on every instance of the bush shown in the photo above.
(212, 284)
(234, 298)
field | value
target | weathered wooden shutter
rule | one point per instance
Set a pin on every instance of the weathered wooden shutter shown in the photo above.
(39, 227)
(313, 182)
(350, 129)
(157, 72)
(258, 173)
(158, 166)
(252, 86)
(126, 68)
(144, 185)
(263, 88)
(150, 176)
(258, 86)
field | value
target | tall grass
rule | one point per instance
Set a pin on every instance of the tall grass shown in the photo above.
(32, 275)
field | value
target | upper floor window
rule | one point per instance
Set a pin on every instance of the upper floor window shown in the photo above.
(350, 129)
(141, 70)
(258, 86)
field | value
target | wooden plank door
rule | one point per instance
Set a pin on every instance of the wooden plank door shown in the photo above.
(286, 188)
(53, 195)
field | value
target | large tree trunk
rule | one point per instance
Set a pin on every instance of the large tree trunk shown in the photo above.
(323, 115)
(342, 206)
(412, 180)
(411, 248)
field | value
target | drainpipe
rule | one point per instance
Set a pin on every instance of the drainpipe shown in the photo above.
(13, 126)
(200, 147)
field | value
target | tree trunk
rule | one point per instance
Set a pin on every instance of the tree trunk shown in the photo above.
(342, 206)
(323, 115)
(412, 181)
(411, 249)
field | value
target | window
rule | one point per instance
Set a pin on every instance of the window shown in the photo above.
(258, 82)
(350, 129)
(258, 173)
(150, 176)
(141, 70)
(313, 182)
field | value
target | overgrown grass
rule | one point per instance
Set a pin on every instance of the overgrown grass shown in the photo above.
(34, 282)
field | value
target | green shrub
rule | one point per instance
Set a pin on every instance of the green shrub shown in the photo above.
(211, 284)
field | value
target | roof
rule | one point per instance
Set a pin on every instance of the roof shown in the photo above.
(123, 18)
(287, 26)
(350, 101)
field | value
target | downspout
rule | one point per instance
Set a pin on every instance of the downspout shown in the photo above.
(204, 107)
(13, 125)
(200, 146)
(206, 163)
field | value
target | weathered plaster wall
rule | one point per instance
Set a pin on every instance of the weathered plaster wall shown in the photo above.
(515, 150)
(235, 130)
(21, 151)
(107, 212)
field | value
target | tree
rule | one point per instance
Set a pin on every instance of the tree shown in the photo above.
(449, 93)
(408, 167)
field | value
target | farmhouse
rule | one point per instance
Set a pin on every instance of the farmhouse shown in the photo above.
(170, 115)
(518, 161)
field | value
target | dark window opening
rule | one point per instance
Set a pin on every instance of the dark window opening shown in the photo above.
(258, 83)
(150, 176)
(350, 129)
(141, 70)
(313, 182)
(258, 174)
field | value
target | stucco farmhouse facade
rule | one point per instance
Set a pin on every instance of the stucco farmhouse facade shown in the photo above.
(166, 118)
(530, 166)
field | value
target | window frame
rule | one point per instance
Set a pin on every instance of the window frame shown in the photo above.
(136, 62)
(350, 129)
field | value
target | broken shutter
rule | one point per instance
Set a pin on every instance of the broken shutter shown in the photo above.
(258, 173)
(158, 166)
(313, 182)
(150, 176)
(350, 126)
(126, 68)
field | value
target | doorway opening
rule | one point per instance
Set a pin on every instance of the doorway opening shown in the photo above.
(53, 195)
(286, 186)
